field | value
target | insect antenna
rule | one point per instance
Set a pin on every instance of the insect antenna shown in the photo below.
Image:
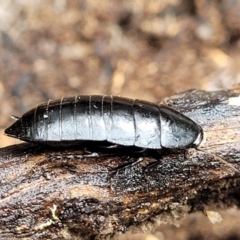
(219, 159)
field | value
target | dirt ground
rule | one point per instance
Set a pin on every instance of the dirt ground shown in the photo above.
(146, 49)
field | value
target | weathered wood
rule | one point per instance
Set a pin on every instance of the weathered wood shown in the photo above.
(94, 194)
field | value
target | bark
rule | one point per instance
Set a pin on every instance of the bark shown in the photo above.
(95, 193)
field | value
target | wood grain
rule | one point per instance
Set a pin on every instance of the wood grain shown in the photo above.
(93, 193)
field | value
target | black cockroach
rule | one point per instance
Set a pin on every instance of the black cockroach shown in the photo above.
(117, 120)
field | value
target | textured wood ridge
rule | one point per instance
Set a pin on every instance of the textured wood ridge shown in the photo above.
(93, 193)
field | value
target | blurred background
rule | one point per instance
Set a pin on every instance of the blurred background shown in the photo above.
(146, 49)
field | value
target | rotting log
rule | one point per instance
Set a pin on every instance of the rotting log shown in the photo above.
(94, 193)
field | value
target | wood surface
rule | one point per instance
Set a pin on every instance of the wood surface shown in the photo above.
(89, 192)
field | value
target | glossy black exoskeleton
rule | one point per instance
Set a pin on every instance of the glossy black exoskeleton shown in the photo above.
(117, 120)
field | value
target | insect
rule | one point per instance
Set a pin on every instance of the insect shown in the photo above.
(114, 119)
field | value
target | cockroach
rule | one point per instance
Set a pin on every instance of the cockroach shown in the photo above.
(114, 119)
(117, 120)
